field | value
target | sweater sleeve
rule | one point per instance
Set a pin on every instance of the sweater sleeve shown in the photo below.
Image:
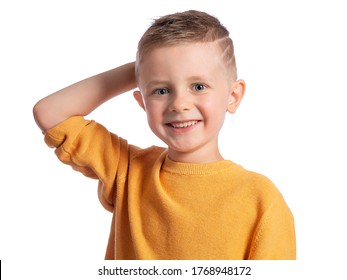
(92, 150)
(275, 234)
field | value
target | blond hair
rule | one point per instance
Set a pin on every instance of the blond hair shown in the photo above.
(188, 27)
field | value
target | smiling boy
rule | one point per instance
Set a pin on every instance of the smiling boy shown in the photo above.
(184, 201)
(186, 91)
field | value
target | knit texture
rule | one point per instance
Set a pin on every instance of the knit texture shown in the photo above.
(169, 210)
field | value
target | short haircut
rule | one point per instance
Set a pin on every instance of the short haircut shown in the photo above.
(188, 27)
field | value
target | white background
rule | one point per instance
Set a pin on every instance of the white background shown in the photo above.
(290, 126)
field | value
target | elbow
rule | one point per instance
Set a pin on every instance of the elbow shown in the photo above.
(39, 116)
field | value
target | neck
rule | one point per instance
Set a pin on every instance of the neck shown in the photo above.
(197, 156)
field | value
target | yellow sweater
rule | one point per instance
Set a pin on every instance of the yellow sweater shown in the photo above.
(169, 210)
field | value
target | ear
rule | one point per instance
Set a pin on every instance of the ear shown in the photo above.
(238, 89)
(138, 96)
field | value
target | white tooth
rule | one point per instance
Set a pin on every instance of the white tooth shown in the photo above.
(184, 124)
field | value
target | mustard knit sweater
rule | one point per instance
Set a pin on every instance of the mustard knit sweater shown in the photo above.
(169, 210)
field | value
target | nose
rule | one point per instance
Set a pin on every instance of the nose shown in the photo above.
(180, 102)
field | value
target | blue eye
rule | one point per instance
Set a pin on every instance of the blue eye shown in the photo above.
(161, 91)
(199, 87)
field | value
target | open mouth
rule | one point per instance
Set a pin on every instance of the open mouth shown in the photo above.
(183, 124)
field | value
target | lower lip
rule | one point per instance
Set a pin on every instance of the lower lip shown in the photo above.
(182, 129)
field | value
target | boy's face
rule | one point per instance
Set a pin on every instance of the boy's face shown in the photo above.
(186, 91)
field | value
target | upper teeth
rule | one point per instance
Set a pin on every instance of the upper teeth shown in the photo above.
(183, 124)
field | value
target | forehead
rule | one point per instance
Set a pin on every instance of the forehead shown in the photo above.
(181, 59)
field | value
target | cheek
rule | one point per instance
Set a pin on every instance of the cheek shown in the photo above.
(214, 111)
(215, 106)
(154, 112)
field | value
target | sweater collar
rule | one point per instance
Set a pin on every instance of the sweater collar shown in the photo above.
(195, 168)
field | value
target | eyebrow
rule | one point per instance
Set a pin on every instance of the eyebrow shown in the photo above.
(200, 78)
(156, 82)
(195, 78)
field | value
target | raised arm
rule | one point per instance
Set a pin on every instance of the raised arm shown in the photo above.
(83, 97)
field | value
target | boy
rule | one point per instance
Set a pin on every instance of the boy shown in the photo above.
(186, 201)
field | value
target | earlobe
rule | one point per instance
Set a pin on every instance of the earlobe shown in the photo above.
(237, 92)
(138, 97)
